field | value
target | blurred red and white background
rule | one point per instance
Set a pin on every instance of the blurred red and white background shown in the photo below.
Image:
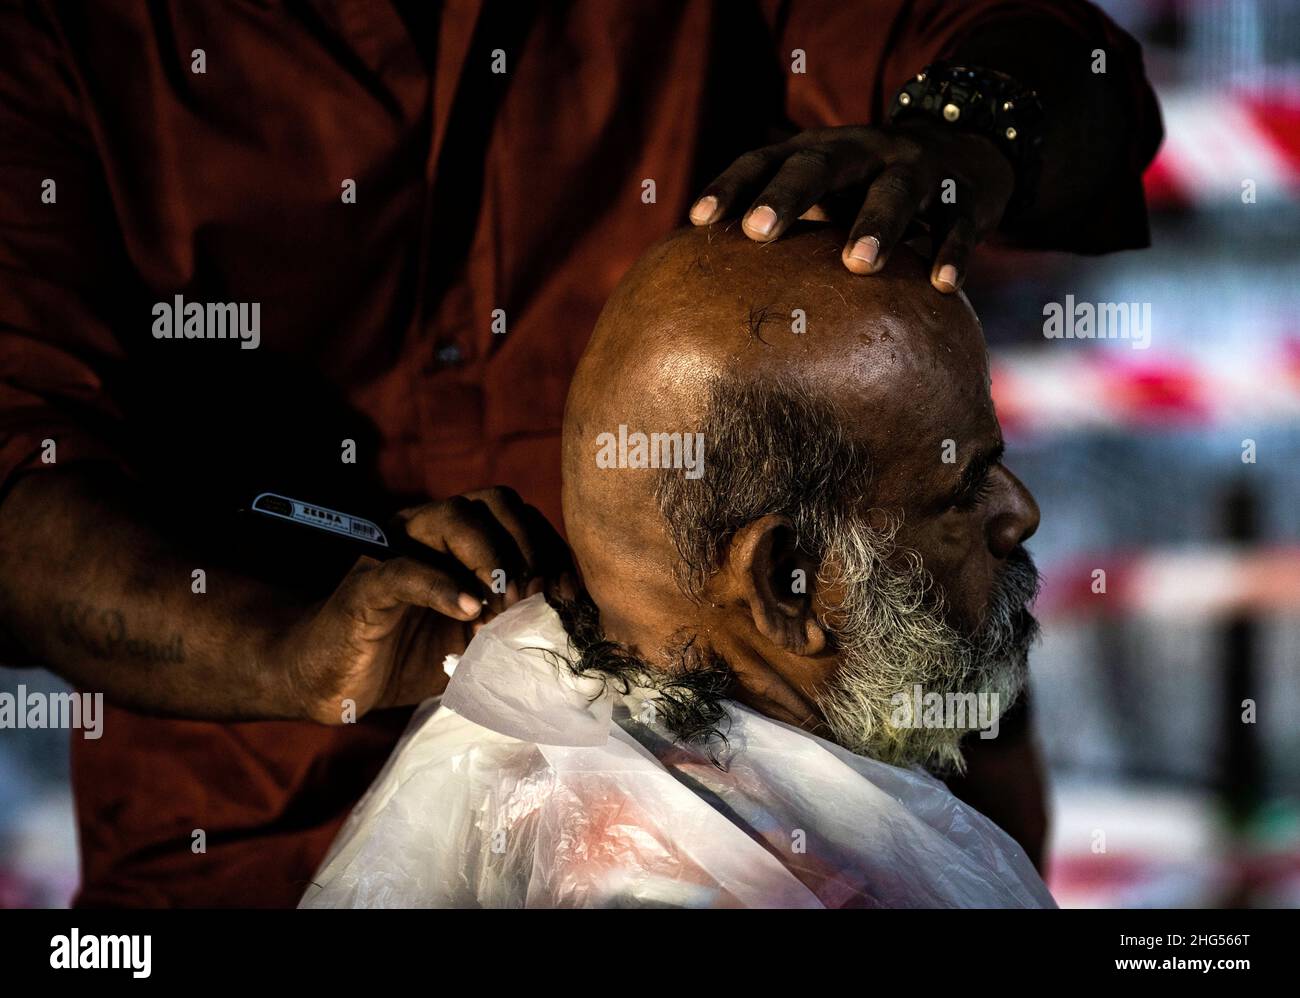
(1141, 460)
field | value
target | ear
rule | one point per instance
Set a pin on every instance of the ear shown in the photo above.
(777, 580)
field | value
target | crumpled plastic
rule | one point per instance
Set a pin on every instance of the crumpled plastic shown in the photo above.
(527, 786)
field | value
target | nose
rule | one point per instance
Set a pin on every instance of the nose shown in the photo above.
(1016, 518)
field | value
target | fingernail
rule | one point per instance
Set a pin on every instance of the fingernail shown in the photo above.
(470, 604)
(704, 210)
(761, 220)
(866, 249)
(948, 276)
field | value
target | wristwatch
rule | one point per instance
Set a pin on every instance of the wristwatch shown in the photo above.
(987, 103)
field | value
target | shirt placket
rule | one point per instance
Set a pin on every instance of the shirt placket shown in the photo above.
(447, 396)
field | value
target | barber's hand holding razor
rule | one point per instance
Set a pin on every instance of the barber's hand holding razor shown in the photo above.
(379, 640)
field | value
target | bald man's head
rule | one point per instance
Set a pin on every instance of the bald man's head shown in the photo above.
(780, 468)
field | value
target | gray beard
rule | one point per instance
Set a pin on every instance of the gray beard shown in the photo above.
(892, 637)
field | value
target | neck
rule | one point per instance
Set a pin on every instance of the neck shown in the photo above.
(770, 681)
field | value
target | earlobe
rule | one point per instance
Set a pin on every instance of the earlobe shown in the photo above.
(814, 636)
(776, 580)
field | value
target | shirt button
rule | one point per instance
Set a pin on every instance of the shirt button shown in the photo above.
(448, 354)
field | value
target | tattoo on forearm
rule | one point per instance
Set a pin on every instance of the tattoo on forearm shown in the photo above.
(103, 633)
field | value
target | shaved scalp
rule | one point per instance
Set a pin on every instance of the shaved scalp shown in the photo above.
(709, 328)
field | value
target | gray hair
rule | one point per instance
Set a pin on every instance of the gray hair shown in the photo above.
(773, 448)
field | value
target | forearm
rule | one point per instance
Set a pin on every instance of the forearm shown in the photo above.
(91, 591)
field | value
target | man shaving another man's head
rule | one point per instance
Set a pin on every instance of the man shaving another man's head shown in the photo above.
(828, 558)
(849, 537)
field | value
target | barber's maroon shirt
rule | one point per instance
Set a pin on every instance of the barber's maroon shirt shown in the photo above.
(475, 191)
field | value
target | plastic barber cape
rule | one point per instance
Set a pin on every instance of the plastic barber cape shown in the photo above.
(530, 787)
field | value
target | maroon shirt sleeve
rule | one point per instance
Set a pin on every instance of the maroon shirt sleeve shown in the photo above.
(857, 55)
(56, 260)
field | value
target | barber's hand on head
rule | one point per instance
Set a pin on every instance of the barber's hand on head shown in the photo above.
(379, 640)
(900, 171)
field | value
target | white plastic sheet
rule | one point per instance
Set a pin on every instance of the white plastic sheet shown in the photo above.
(529, 787)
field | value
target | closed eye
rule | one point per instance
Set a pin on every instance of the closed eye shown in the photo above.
(975, 483)
(973, 497)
